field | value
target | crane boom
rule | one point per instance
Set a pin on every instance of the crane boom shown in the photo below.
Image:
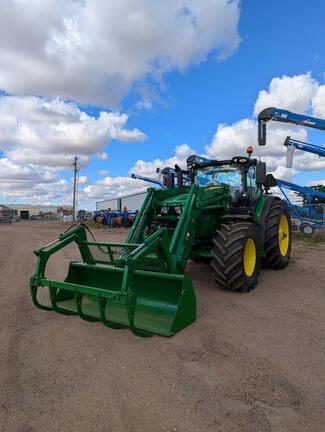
(285, 116)
(308, 193)
(293, 144)
(148, 179)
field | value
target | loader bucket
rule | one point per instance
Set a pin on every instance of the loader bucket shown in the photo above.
(160, 303)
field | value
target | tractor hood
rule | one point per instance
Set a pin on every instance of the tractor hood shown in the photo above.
(178, 200)
(179, 196)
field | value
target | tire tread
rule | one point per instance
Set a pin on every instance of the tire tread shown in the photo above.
(226, 262)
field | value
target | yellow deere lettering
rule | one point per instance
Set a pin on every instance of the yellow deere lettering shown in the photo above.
(212, 187)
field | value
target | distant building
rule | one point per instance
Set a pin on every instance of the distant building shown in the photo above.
(29, 211)
(7, 214)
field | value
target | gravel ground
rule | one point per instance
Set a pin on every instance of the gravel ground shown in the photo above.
(251, 362)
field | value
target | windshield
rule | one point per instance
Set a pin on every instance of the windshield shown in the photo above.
(221, 175)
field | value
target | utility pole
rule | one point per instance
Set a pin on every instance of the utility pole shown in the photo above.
(75, 171)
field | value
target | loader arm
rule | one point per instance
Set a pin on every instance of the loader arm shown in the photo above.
(114, 283)
(180, 242)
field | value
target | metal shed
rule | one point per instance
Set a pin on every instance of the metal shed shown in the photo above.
(132, 202)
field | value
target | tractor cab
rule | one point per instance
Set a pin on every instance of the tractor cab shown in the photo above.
(244, 176)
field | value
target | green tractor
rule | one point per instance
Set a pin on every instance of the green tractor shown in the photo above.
(216, 211)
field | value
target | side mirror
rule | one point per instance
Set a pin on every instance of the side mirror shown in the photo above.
(270, 181)
(260, 173)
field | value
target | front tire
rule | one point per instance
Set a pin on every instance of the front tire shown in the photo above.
(235, 257)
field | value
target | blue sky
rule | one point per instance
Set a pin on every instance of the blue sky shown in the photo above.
(285, 39)
(189, 99)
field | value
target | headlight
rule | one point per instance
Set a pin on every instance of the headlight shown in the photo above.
(178, 209)
(164, 210)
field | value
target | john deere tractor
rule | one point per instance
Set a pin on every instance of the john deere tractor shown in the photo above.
(219, 211)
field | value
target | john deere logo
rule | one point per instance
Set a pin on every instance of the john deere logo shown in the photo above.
(212, 187)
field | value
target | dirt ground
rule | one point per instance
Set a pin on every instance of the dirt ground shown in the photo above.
(251, 362)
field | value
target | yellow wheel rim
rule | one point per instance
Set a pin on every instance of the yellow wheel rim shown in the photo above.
(284, 235)
(249, 257)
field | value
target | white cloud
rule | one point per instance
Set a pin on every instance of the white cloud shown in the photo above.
(111, 186)
(31, 184)
(317, 182)
(36, 193)
(297, 93)
(293, 93)
(318, 102)
(48, 132)
(10, 171)
(117, 186)
(307, 162)
(300, 93)
(82, 180)
(148, 169)
(38, 138)
(232, 140)
(93, 51)
(102, 156)
(283, 173)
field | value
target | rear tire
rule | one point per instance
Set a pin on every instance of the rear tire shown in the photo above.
(278, 234)
(235, 257)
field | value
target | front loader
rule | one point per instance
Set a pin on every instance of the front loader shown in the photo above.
(216, 211)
